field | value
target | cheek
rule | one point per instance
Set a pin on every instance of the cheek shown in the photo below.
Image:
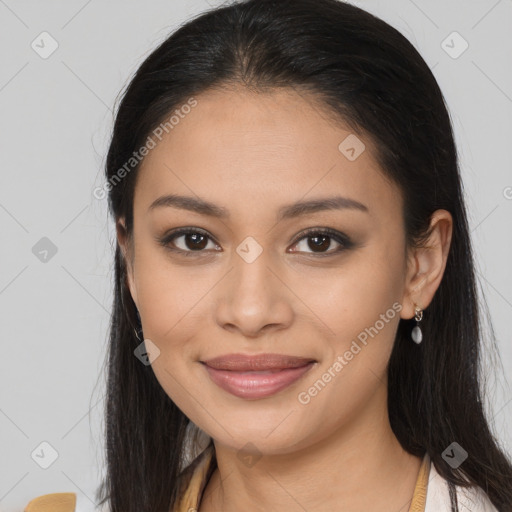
(352, 378)
(171, 297)
(354, 297)
(361, 307)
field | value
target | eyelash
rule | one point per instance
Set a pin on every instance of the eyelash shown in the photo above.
(341, 238)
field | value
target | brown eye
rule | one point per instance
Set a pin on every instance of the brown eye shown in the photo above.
(195, 241)
(320, 240)
(187, 241)
(319, 243)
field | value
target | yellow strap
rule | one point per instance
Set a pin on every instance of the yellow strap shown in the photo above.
(420, 491)
(55, 502)
(193, 493)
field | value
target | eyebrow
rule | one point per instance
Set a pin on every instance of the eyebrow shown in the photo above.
(297, 209)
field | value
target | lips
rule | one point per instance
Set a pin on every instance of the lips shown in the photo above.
(259, 376)
(259, 362)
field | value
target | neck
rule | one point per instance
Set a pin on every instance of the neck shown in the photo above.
(360, 467)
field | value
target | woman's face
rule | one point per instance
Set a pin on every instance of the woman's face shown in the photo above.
(253, 282)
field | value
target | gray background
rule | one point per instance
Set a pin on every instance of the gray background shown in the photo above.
(56, 116)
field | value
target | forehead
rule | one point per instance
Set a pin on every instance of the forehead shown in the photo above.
(245, 149)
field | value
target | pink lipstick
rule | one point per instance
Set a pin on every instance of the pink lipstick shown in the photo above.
(256, 376)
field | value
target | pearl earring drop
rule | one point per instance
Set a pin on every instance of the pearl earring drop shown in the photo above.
(416, 334)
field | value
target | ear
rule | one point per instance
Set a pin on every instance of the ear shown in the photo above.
(126, 246)
(426, 265)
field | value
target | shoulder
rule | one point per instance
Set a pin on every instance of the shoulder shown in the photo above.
(471, 499)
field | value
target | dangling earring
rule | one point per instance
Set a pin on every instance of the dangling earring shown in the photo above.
(140, 328)
(416, 334)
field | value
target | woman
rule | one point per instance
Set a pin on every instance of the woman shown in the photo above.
(295, 323)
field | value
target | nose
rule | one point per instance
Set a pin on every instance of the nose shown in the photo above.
(253, 300)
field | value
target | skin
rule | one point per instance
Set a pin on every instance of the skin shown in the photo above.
(251, 154)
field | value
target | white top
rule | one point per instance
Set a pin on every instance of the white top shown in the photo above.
(471, 499)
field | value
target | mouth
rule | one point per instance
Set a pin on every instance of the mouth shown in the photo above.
(259, 376)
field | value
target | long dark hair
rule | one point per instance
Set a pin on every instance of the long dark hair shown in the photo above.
(369, 76)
